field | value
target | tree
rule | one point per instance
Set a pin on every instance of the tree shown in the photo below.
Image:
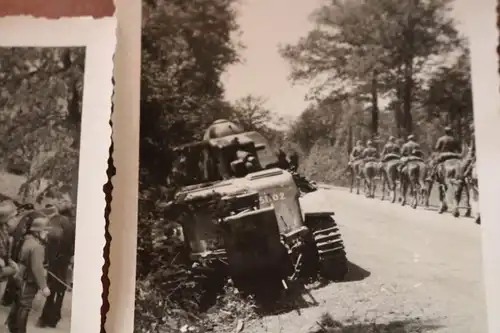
(40, 113)
(366, 49)
(185, 48)
(251, 113)
(333, 122)
(448, 96)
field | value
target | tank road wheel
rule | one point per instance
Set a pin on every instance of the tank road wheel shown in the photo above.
(331, 251)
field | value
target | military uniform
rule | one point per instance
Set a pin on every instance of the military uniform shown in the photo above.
(391, 148)
(356, 153)
(445, 146)
(409, 147)
(31, 276)
(7, 211)
(370, 152)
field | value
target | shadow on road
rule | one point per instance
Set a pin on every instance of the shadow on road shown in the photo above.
(329, 325)
(356, 273)
(298, 296)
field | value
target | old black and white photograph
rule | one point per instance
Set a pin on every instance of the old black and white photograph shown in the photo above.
(307, 167)
(40, 120)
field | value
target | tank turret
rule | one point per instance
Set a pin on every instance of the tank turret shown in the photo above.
(221, 128)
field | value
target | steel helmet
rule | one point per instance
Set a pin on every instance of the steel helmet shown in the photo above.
(39, 222)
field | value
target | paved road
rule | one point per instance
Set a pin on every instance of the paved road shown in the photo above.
(412, 271)
(63, 326)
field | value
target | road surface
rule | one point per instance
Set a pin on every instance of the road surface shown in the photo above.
(62, 327)
(411, 271)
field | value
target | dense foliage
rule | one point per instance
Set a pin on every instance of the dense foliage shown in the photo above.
(186, 46)
(40, 115)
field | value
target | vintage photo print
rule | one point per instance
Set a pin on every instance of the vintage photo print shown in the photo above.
(55, 103)
(308, 166)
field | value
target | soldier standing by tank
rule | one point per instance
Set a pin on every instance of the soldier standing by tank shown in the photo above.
(294, 161)
(282, 160)
(31, 276)
(7, 266)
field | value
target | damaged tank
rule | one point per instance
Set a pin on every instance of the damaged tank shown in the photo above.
(238, 208)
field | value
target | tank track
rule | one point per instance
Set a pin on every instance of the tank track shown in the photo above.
(331, 252)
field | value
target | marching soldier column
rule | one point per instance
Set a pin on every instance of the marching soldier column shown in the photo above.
(447, 150)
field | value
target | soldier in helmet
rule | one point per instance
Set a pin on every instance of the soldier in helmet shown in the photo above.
(7, 266)
(31, 276)
(445, 145)
(409, 148)
(370, 151)
(391, 147)
(356, 152)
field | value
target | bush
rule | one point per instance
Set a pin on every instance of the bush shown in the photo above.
(326, 163)
(157, 310)
(169, 289)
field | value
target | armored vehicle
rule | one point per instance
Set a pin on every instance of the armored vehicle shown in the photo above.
(238, 207)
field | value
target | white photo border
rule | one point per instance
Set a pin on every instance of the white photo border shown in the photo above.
(98, 36)
(484, 37)
(124, 206)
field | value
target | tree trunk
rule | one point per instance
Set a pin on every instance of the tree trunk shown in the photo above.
(349, 140)
(409, 56)
(374, 100)
(398, 116)
(408, 96)
(75, 112)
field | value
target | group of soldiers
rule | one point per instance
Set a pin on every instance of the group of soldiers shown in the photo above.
(23, 262)
(446, 144)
